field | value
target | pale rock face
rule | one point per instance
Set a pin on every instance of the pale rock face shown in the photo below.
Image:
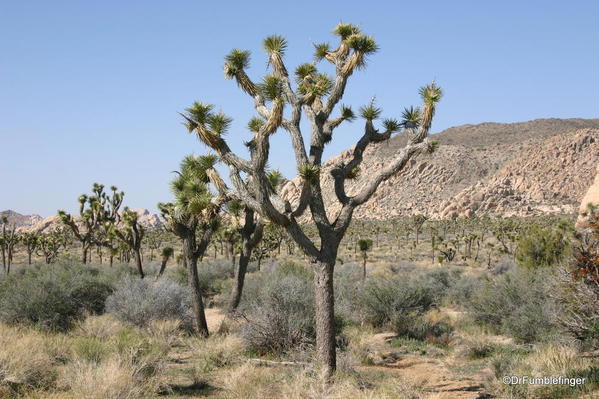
(591, 197)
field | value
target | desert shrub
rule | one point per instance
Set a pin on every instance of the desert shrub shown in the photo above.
(384, 301)
(53, 297)
(431, 327)
(139, 302)
(212, 273)
(541, 248)
(462, 289)
(504, 265)
(517, 303)
(348, 279)
(278, 307)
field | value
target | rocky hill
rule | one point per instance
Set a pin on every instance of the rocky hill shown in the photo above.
(38, 224)
(20, 220)
(540, 166)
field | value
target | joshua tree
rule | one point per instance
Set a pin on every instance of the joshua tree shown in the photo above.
(50, 244)
(154, 241)
(193, 217)
(365, 245)
(417, 224)
(31, 241)
(167, 253)
(129, 232)
(94, 212)
(8, 240)
(316, 95)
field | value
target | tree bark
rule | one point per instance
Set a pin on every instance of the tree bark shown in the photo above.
(244, 259)
(84, 254)
(139, 264)
(325, 316)
(162, 267)
(199, 317)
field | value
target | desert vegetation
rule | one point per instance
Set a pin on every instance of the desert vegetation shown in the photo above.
(415, 326)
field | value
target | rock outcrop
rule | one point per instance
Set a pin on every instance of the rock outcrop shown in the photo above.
(530, 168)
(36, 223)
(591, 197)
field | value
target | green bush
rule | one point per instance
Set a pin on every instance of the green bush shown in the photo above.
(52, 298)
(212, 275)
(278, 310)
(517, 303)
(384, 301)
(139, 302)
(541, 248)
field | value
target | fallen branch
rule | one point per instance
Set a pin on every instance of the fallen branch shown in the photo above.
(264, 362)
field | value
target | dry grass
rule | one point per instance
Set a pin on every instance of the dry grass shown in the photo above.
(254, 382)
(102, 327)
(119, 376)
(217, 351)
(25, 361)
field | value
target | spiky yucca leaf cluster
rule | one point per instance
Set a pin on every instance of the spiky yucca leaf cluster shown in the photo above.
(309, 173)
(190, 186)
(271, 87)
(344, 30)
(391, 125)
(411, 117)
(433, 146)
(370, 112)
(431, 94)
(275, 177)
(321, 50)
(347, 113)
(129, 217)
(275, 44)
(362, 43)
(255, 124)
(275, 47)
(235, 64)
(209, 126)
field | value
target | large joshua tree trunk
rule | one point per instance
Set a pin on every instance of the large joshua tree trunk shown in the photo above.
(138, 263)
(191, 258)
(325, 314)
(84, 253)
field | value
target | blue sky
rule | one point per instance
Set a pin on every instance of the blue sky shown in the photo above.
(89, 91)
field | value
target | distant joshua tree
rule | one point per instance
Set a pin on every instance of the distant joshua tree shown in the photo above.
(128, 230)
(31, 241)
(50, 245)
(194, 217)
(95, 211)
(365, 245)
(167, 253)
(316, 95)
(8, 240)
